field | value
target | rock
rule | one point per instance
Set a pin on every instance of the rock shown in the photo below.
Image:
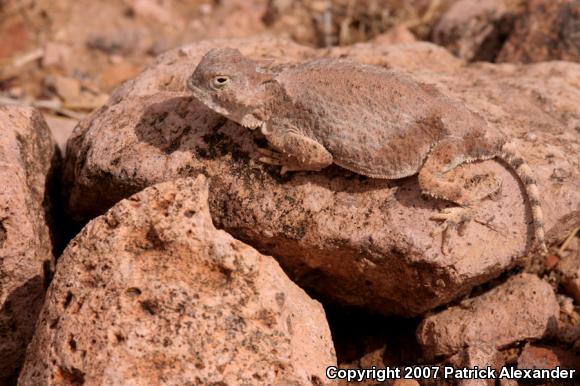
(569, 268)
(567, 331)
(357, 241)
(17, 38)
(480, 356)
(55, 54)
(152, 10)
(476, 30)
(566, 304)
(396, 35)
(116, 73)
(545, 357)
(547, 30)
(151, 293)
(405, 382)
(373, 359)
(524, 307)
(28, 159)
(551, 261)
(67, 88)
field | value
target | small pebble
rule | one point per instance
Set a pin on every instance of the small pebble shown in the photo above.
(532, 137)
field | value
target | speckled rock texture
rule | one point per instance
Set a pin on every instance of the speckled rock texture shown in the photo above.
(479, 356)
(151, 293)
(524, 307)
(28, 158)
(353, 240)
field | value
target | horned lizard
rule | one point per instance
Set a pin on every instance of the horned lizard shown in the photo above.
(372, 121)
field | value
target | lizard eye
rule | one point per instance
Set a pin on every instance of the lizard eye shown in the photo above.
(219, 82)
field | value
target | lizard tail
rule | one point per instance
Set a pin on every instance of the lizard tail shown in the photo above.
(510, 155)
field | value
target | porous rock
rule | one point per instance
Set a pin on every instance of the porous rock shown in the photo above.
(478, 356)
(524, 307)
(151, 293)
(28, 161)
(355, 240)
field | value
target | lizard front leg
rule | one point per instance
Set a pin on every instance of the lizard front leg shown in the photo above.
(294, 150)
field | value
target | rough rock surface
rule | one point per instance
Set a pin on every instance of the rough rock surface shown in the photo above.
(476, 30)
(355, 240)
(151, 293)
(477, 356)
(524, 307)
(545, 357)
(570, 270)
(405, 382)
(373, 359)
(28, 158)
(547, 30)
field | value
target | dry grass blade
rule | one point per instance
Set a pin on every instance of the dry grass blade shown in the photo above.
(52, 105)
(568, 240)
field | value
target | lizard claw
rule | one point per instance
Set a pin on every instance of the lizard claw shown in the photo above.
(452, 218)
(268, 153)
(269, 157)
(275, 158)
(270, 161)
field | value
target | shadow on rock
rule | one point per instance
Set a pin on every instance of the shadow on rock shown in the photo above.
(18, 317)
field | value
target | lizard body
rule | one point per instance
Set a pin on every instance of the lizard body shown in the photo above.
(369, 120)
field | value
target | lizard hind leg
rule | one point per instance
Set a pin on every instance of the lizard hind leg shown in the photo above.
(443, 177)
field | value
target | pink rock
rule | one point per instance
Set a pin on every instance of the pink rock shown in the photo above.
(544, 357)
(28, 159)
(524, 307)
(151, 293)
(478, 356)
(399, 34)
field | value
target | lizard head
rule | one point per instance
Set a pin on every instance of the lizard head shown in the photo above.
(230, 84)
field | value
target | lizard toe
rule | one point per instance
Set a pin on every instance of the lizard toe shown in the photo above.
(454, 218)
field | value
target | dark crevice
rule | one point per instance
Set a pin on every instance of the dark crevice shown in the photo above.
(72, 376)
(3, 235)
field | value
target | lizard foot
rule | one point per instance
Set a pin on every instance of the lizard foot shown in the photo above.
(275, 158)
(452, 218)
(269, 157)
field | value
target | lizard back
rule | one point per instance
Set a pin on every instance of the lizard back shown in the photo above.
(373, 121)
